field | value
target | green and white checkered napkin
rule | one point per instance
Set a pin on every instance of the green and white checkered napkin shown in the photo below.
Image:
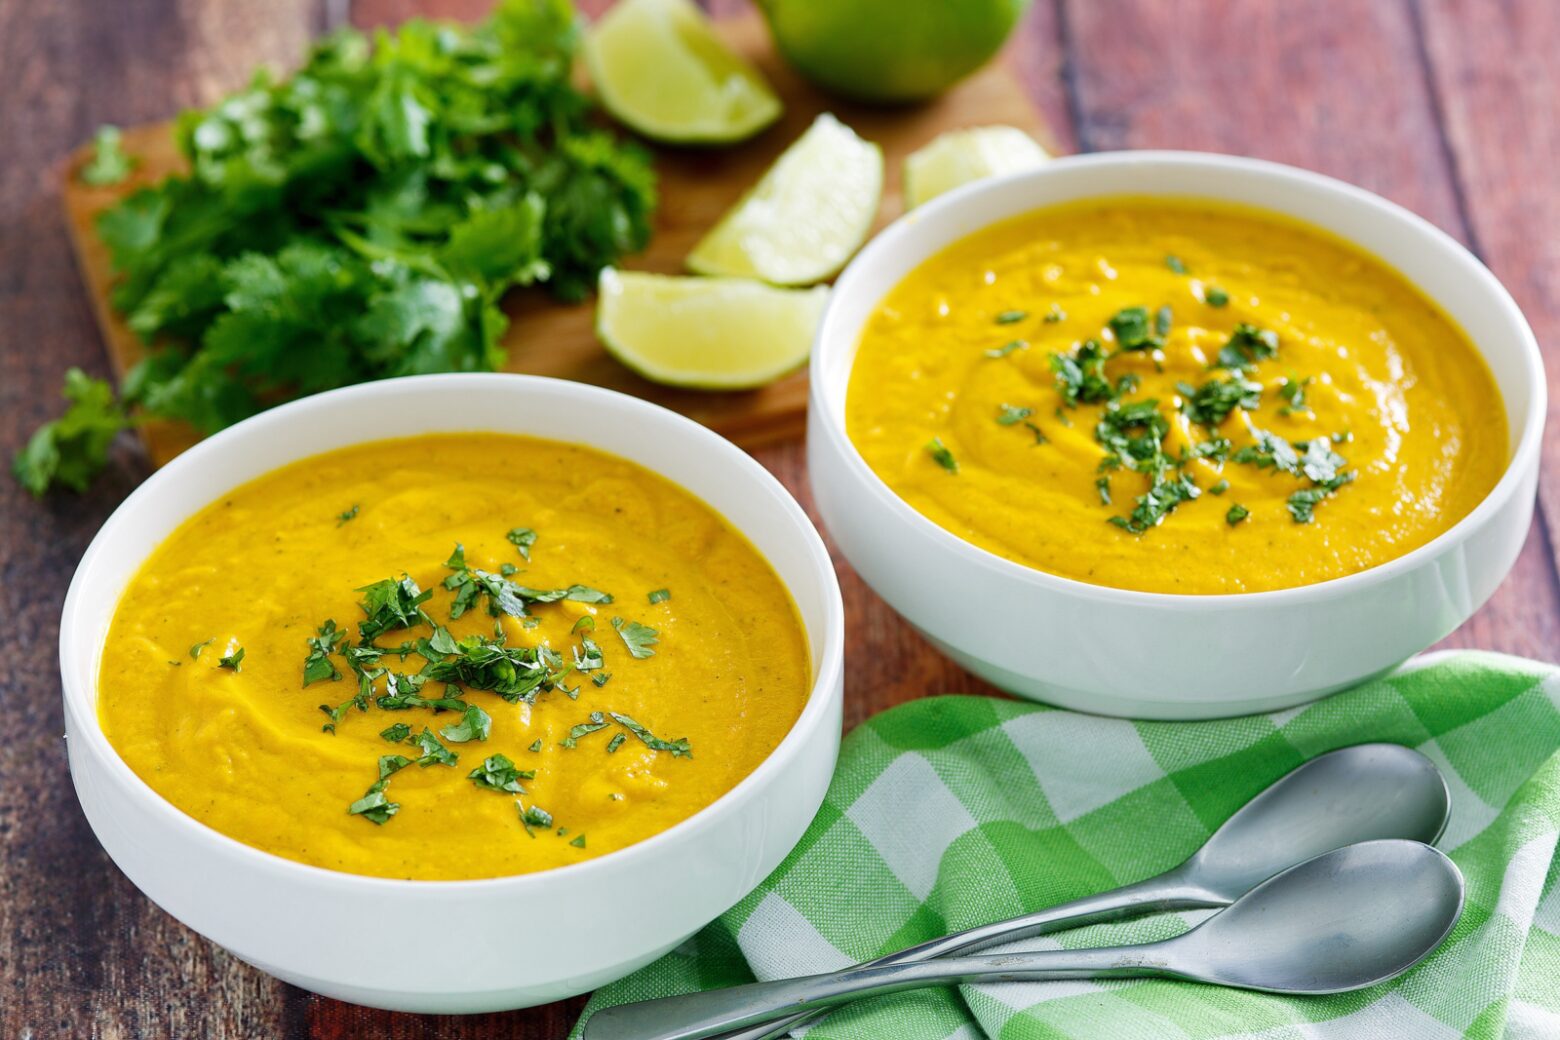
(954, 811)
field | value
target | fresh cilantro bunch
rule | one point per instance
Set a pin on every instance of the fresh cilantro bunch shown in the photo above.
(361, 218)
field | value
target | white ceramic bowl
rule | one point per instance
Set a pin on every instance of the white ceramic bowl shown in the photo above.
(1154, 655)
(504, 942)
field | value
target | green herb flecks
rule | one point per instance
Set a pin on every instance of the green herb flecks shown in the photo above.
(584, 729)
(1009, 317)
(637, 637)
(1135, 330)
(1175, 263)
(347, 516)
(498, 773)
(1008, 348)
(1236, 514)
(474, 724)
(533, 817)
(195, 650)
(678, 748)
(1292, 392)
(397, 733)
(1213, 296)
(1010, 415)
(1211, 403)
(1246, 346)
(941, 455)
(391, 604)
(233, 660)
(318, 665)
(523, 538)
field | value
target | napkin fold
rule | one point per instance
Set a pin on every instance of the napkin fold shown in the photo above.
(953, 811)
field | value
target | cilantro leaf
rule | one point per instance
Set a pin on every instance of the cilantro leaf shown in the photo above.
(678, 748)
(498, 773)
(72, 449)
(475, 724)
(523, 538)
(109, 163)
(637, 637)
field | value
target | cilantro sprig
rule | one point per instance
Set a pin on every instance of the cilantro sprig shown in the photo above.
(359, 219)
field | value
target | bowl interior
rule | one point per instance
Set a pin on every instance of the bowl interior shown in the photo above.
(1431, 260)
(710, 467)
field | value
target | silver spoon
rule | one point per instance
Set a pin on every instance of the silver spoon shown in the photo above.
(1345, 796)
(1350, 918)
(1350, 795)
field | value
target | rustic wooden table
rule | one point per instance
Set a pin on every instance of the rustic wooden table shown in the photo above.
(1450, 107)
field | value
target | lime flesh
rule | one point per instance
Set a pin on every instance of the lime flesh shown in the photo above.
(811, 210)
(961, 156)
(659, 67)
(706, 333)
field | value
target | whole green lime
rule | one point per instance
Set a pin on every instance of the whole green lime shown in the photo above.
(889, 50)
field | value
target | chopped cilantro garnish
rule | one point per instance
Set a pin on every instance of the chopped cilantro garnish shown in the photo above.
(433, 752)
(1246, 346)
(1213, 296)
(637, 637)
(1270, 452)
(584, 729)
(498, 773)
(396, 733)
(1009, 415)
(1175, 263)
(318, 665)
(1007, 348)
(515, 673)
(391, 604)
(523, 538)
(233, 661)
(475, 724)
(1236, 514)
(1211, 403)
(347, 515)
(1220, 488)
(616, 742)
(1293, 393)
(1054, 315)
(1080, 376)
(678, 748)
(534, 816)
(1102, 485)
(660, 596)
(198, 647)
(941, 455)
(1009, 317)
(1130, 325)
(578, 842)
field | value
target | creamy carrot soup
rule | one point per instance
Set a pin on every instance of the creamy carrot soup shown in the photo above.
(452, 656)
(1174, 398)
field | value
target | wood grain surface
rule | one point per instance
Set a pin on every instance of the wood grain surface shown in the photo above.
(1450, 107)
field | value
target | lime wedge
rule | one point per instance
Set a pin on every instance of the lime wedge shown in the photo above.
(811, 210)
(659, 67)
(961, 156)
(707, 333)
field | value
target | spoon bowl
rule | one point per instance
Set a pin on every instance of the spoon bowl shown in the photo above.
(1351, 918)
(1354, 794)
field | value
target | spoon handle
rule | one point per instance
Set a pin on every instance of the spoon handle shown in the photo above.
(1152, 895)
(1164, 892)
(696, 1016)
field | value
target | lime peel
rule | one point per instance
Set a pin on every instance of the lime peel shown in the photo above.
(706, 333)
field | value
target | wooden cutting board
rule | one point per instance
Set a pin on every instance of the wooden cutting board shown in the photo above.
(696, 188)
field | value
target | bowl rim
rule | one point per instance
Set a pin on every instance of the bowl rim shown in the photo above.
(827, 683)
(1523, 459)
